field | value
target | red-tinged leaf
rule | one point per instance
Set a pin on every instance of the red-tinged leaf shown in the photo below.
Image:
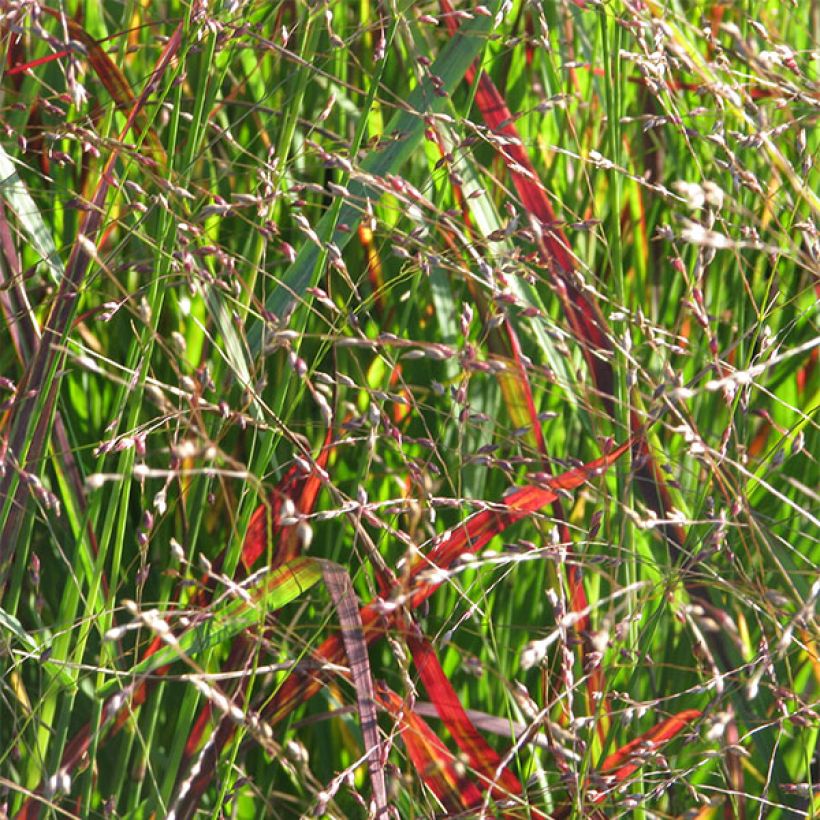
(479, 530)
(501, 726)
(620, 764)
(350, 647)
(16, 61)
(482, 758)
(432, 760)
(265, 523)
(516, 390)
(484, 526)
(518, 399)
(520, 383)
(712, 811)
(19, 67)
(582, 313)
(113, 80)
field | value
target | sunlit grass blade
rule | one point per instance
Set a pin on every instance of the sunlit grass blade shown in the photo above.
(402, 137)
(434, 762)
(484, 761)
(31, 417)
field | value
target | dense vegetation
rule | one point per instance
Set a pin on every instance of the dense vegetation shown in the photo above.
(409, 409)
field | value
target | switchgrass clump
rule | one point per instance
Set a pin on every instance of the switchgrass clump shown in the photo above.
(408, 410)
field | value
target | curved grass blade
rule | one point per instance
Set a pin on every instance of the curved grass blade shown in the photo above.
(433, 761)
(484, 526)
(623, 762)
(482, 758)
(470, 536)
(114, 81)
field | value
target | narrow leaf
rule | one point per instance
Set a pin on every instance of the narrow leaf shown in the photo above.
(432, 760)
(621, 764)
(479, 530)
(302, 491)
(483, 759)
(272, 591)
(404, 133)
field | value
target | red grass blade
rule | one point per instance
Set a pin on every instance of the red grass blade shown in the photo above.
(112, 78)
(19, 68)
(482, 758)
(476, 532)
(433, 761)
(518, 398)
(484, 526)
(622, 763)
(583, 314)
(265, 526)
